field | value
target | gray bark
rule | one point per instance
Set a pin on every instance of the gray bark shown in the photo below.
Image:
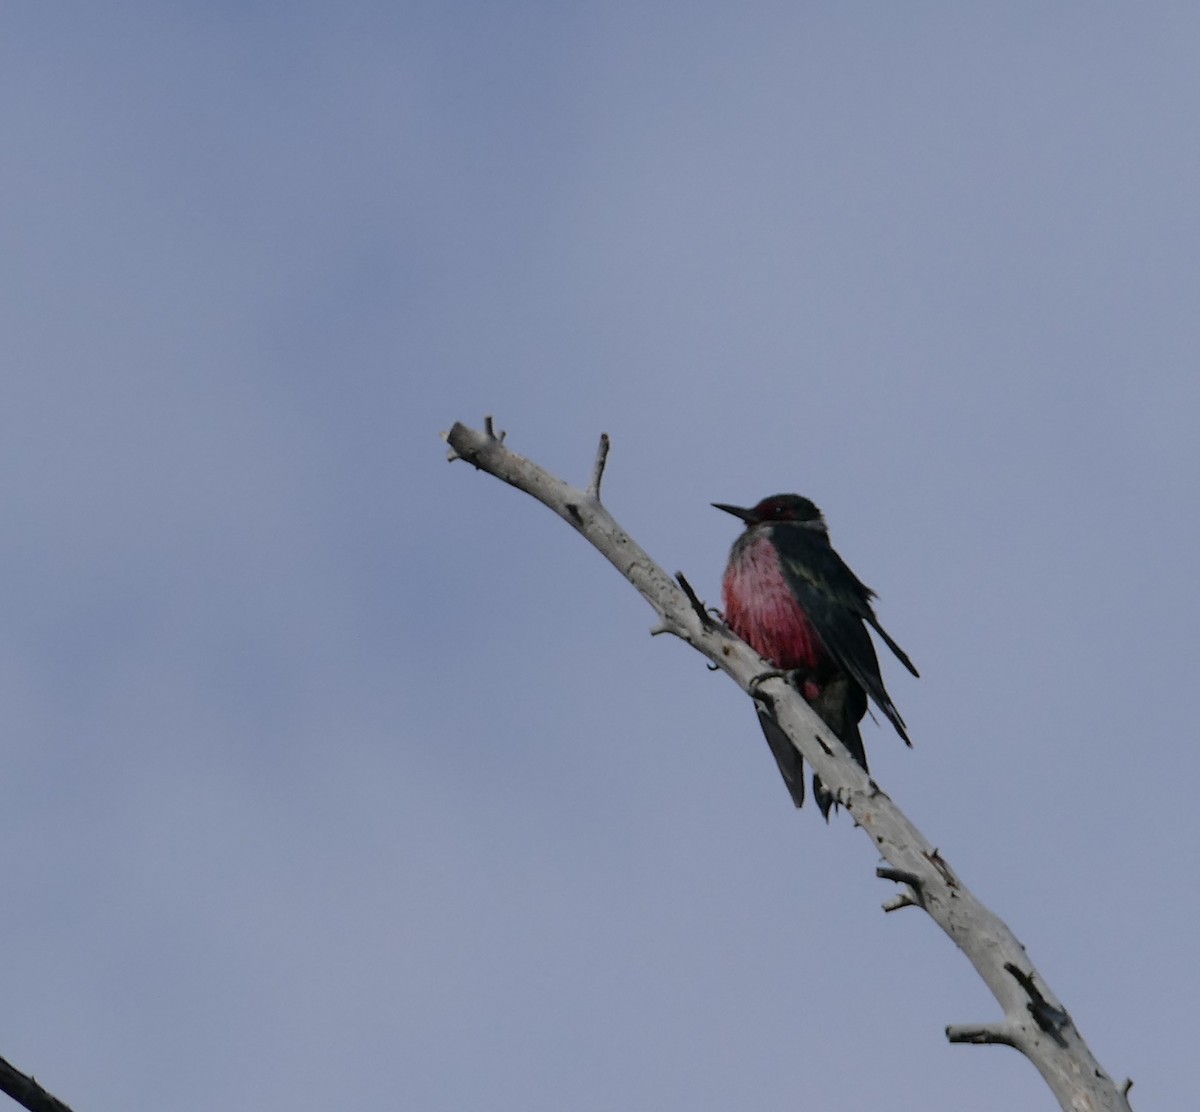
(1033, 1019)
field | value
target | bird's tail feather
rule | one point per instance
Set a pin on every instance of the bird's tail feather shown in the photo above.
(787, 756)
(901, 655)
(840, 704)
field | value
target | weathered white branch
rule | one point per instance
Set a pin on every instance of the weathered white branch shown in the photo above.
(1034, 1021)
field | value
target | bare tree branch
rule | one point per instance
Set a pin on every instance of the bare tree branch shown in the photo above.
(26, 1091)
(1034, 1021)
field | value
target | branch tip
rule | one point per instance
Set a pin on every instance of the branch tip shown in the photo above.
(598, 466)
(26, 1090)
(901, 901)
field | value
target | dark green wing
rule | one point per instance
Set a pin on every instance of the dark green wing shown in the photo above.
(838, 604)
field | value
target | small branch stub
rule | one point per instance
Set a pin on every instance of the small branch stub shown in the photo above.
(693, 598)
(899, 876)
(981, 1034)
(598, 467)
(897, 903)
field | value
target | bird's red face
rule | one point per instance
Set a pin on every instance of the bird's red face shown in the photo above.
(779, 507)
(786, 507)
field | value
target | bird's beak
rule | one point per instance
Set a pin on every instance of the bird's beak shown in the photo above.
(745, 515)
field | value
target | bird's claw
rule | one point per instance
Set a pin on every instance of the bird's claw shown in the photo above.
(797, 677)
(762, 677)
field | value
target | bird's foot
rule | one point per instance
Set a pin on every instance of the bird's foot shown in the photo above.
(762, 677)
(801, 679)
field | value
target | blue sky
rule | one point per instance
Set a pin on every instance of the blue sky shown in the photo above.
(338, 774)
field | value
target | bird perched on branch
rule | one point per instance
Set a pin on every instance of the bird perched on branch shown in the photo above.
(792, 598)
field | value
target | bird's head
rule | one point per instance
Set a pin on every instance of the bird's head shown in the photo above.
(779, 507)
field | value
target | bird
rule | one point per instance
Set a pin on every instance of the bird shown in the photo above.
(793, 599)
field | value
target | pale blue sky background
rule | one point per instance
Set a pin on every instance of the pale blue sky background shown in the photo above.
(336, 775)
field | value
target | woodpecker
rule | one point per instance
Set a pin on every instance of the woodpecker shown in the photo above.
(792, 598)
